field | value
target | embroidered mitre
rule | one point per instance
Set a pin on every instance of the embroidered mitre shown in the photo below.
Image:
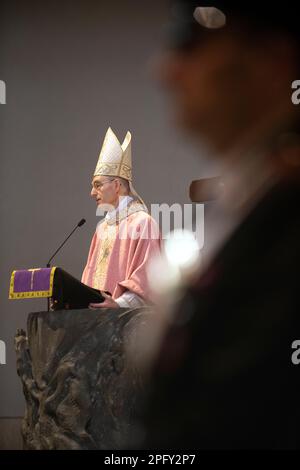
(114, 158)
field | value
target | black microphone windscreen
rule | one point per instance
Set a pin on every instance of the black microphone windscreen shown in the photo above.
(82, 221)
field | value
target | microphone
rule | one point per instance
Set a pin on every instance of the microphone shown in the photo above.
(80, 223)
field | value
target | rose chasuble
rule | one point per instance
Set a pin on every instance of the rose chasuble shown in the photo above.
(120, 252)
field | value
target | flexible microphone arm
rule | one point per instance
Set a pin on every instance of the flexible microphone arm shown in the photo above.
(80, 223)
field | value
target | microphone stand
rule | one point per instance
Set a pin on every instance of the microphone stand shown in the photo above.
(82, 221)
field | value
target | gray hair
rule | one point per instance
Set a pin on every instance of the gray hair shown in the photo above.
(123, 183)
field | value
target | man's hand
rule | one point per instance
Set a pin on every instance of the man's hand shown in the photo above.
(108, 303)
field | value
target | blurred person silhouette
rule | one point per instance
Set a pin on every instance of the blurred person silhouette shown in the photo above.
(223, 376)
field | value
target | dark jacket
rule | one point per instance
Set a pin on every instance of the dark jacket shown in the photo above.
(225, 377)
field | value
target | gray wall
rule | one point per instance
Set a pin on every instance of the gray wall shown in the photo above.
(71, 70)
(10, 434)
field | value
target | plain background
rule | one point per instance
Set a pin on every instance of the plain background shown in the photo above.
(71, 69)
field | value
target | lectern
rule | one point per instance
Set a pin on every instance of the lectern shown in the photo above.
(66, 291)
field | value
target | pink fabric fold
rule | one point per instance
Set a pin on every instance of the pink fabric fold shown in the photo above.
(136, 242)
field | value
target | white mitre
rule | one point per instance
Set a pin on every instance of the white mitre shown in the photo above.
(115, 159)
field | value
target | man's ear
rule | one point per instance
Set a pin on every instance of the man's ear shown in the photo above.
(118, 185)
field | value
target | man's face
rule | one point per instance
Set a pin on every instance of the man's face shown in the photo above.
(105, 190)
(210, 88)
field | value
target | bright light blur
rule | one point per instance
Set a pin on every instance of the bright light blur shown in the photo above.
(181, 249)
(168, 272)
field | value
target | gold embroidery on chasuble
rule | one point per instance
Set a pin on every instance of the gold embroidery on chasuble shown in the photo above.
(108, 234)
(108, 237)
